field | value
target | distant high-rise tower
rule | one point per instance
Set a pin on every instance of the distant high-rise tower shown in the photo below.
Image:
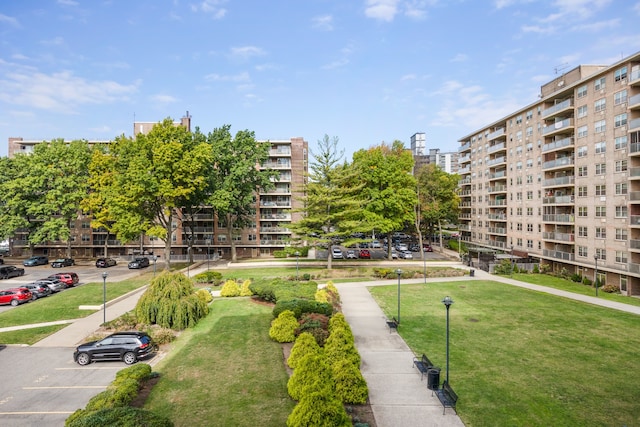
(418, 144)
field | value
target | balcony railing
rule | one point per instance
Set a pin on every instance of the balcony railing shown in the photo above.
(570, 218)
(634, 100)
(464, 181)
(634, 124)
(563, 237)
(634, 75)
(561, 143)
(634, 172)
(496, 134)
(633, 268)
(563, 161)
(558, 107)
(565, 256)
(496, 161)
(634, 244)
(501, 202)
(497, 230)
(634, 220)
(464, 147)
(556, 200)
(497, 217)
(634, 196)
(563, 180)
(497, 189)
(557, 126)
(497, 147)
(496, 175)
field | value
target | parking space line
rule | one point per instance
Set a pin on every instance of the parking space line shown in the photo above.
(87, 367)
(65, 387)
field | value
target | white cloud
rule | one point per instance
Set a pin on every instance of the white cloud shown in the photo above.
(20, 57)
(9, 20)
(212, 7)
(597, 26)
(246, 52)
(60, 92)
(383, 10)
(322, 23)
(237, 78)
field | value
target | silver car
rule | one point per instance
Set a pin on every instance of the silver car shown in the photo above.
(53, 284)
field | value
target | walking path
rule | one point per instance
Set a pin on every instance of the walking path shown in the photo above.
(397, 394)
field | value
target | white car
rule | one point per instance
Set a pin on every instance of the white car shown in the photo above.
(351, 254)
(406, 255)
(336, 253)
(401, 247)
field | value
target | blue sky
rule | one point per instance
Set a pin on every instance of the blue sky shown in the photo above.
(365, 71)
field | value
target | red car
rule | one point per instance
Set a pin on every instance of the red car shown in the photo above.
(69, 279)
(427, 247)
(364, 253)
(15, 296)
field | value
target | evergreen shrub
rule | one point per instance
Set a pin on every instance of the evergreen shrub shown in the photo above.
(230, 289)
(300, 306)
(245, 289)
(319, 410)
(214, 277)
(305, 344)
(121, 417)
(283, 328)
(351, 388)
(312, 374)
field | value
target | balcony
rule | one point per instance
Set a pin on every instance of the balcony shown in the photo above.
(558, 108)
(556, 145)
(465, 181)
(277, 165)
(561, 237)
(280, 216)
(497, 147)
(558, 200)
(497, 189)
(497, 217)
(634, 124)
(502, 202)
(633, 268)
(634, 220)
(497, 244)
(497, 161)
(564, 256)
(634, 102)
(558, 127)
(464, 227)
(464, 216)
(559, 182)
(496, 134)
(558, 163)
(465, 147)
(498, 175)
(634, 78)
(497, 230)
(634, 244)
(464, 159)
(464, 170)
(634, 196)
(563, 218)
(634, 172)
(464, 193)
(264, 230)
(280, 152)
(273, 203)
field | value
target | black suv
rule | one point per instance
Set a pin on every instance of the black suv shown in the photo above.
(141, 262)
(9, 271)
(105, 262)
(128, 347)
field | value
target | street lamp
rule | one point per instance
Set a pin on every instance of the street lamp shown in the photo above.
(104, 297)
(399, 273)
(595, 274)
(155, 258)
(511, 274)
(208, 252)
(188, 260)
(297, 254)
(447, 301)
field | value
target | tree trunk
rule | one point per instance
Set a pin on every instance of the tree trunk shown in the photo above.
(167, 246)
(234, 254)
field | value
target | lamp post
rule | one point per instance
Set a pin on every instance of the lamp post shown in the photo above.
(188, 260)
(447, 301)
(297, 254)
(155, 258)
(511, 274)
(104, 297)
(595, 274)
(399, 273)
(208, 252)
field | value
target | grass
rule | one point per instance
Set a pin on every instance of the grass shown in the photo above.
(571, 286)
(29, 336)
(226, 371)
(524, 358)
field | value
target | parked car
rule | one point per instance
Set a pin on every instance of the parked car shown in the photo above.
(105, 262)
(63, 262)
(15, 296)
(69, 279)
(401, 247)
(1, 261)
(405, 255)
(128, 347)
(364, 253)
(53, 284)
(9, 271)
(394, 254)
(38, 290)
(336, 253)
(376, 244)
(140, 262)
(36, 260)
(427, 247)
(351, 254)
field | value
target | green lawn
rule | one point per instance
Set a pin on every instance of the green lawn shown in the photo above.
(524, 358)
(225, 372)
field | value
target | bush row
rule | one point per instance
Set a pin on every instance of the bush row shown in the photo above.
(279, 289)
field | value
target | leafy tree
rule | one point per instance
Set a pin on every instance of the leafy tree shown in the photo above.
(150, 177)
(235, 177)
(42, 191)
(332, 209)
(171, 301)
(388, 188)
(438, 200)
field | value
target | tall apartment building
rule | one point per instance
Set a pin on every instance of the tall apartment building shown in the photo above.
(275, 211)
(447, 161)
(559, 180)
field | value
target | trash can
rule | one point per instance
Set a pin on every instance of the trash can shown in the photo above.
(472, 272)
(433, 378)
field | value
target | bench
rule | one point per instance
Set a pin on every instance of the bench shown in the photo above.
(423, 364)
(392, 324)
(447, 397)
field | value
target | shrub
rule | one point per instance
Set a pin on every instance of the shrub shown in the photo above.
(611, 289)
(312, 374)
(319, 334)
(245, 289)
(230, 289)
(283, 327)
(121, 417)
(306, 276)
(545, 268)
(138, 372)
(322, 295)
(536, 268)
(586, 281)
(279, 254)
(214, 277)
(382, 272)
(171, 302)
(319, 410)
(126, 322)
(305, 344)
(340, 346)
(312, 320)
(300, 306)
(162, 335)
(204, 295)
(575, 277)
(351, 388)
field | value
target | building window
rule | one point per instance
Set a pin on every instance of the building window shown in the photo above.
(582, 231)
(252, 237)
(86, 238)
(519, 226)
(601, 211)
(519, 119)
(600, 83)
(621, 234)
(222, 238)
(529, 195)
(620, 120)
(519, 211)
(601, 190)
(529, 114)
(601, 147)
(600, 126)
(582, 131)
(623, 284)
(582, 171)
(529, 163)
(601, 233)
(600, 104)
(583, 251)
(621, 211)
(582, 111)
(620, 74)
(621, 165)
(601, 254)
(621, 188)
(529, 211)
(529, 132)
(529, 179)
(601, 168)
(582, 191)
(530, 228)
(621, 142)
(621, 257)
(581, 91)
(582, 211)
(620, 97)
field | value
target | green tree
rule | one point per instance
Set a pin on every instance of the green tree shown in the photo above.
(150, 178)
(438, 200)
(332, 209)
(44, 189)
(388, 190)
(235, 178)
